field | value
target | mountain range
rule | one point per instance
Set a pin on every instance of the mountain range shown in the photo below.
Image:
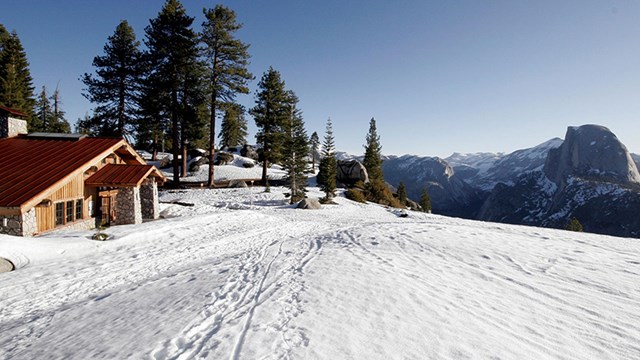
(589, 175)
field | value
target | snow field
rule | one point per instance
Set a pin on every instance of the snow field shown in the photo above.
(242, 275)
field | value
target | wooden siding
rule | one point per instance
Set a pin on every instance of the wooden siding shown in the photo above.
(46, 215)
(72, 190)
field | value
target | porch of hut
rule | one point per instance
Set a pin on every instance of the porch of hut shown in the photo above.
(127, 194)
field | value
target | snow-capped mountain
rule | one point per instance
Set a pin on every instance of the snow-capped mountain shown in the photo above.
(591, 176)
(485, 170)
(544, 185)
(450, 195)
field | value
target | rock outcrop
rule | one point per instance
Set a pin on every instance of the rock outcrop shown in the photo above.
(450, 195)
(249, 152)
(591, 176)
(591, 151)
(351, 171)
(309, 204)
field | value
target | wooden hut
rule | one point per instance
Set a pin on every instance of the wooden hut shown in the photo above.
(51, 181)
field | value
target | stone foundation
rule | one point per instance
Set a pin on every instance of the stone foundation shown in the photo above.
(29, 223)
(149, 199)
(128, 209)
(14, 225)
(20, 225)
(86, 224)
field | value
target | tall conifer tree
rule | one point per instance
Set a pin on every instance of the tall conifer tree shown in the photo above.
(372, 156)
(227, 59)
(294, 150)
(44, 114)
(16, 84)
(402, 194)
(172, 55)
(270, 112)
(233, 129)
(116, 85)
(425, 200)
(328, 165)
(59, 123)
(314, 147)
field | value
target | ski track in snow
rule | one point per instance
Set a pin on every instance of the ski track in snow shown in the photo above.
(346, 281)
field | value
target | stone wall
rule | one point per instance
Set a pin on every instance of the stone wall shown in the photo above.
(29, 223)
(128, 209)
(149, 199)
(10, 127)
(20, 225)
(14, 225)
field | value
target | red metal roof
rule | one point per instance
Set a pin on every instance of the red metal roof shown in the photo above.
(12, 111)
(121, 175)
(30, 166)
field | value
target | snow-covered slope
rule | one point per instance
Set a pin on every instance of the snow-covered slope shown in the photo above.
(240, 275)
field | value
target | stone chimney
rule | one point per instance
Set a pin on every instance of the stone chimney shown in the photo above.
(10, 124)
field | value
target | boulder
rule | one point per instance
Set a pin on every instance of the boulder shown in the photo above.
(249, 152)
(194, 153)
(237, 184)
(309, 204)
(195, 164)
(351, 171)
(5, 265)
(223, 158)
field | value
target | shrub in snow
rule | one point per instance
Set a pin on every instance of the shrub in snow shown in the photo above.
(574, 225)
(355, 195)
(100, 235)
(377, 191)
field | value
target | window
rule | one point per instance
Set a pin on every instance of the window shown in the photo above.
(79, 208)
(69, 211)
(59, 214)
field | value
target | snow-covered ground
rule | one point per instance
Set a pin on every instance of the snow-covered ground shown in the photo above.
(242, 275)
(234, 170)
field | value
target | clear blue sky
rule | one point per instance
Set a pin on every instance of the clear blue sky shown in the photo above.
(438, 76)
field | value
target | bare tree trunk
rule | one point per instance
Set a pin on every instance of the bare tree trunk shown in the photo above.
(212, 138)
(212, 127)
(154, 155)
(175, 137)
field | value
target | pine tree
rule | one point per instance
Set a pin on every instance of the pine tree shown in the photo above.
(328, 165)
(574, 225)
(172, 56)
(294, 150)
(44, 114)
(233, 129)
(270, 113)
(227, 59)
(153, 125)
(402, 194)
(116, 86)
(4, 37)
(193, 112)
(314, 147)
(376, 190)
(425, 200)
(16, 84)
(372, 156)
(59, 123)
